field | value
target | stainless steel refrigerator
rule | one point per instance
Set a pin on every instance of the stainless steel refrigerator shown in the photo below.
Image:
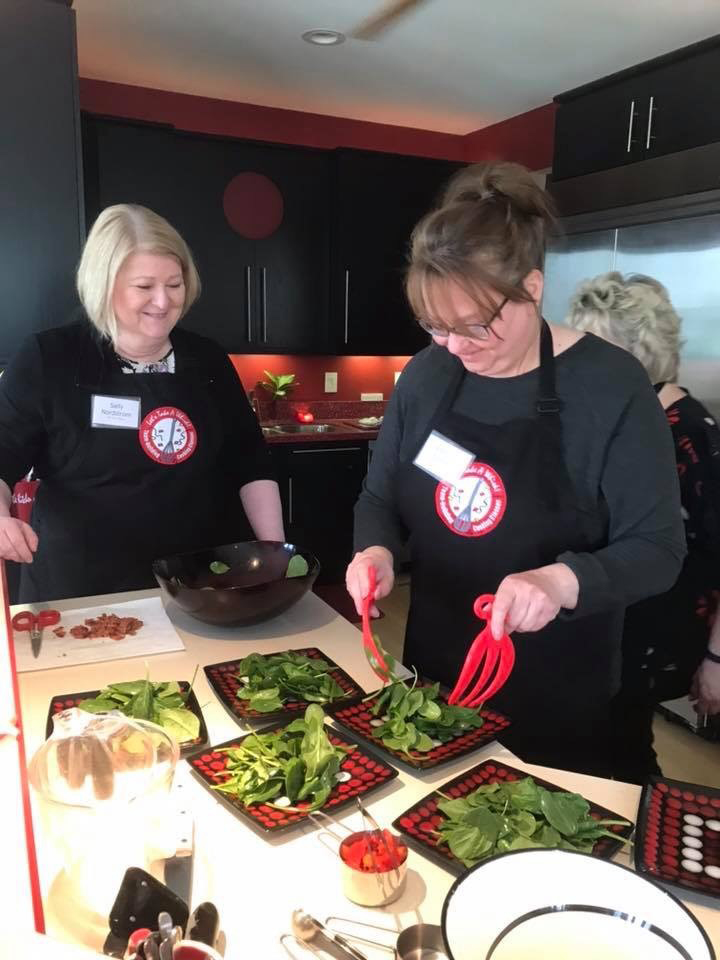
(678, 243)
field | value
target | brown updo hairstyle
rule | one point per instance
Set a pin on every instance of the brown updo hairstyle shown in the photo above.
(488, 233)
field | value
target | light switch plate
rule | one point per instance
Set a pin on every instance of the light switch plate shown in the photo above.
(330, 382)
(371, 396)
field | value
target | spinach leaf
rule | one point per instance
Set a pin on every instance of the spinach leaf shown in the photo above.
(217, 566)
(297, 567)
(290, 675)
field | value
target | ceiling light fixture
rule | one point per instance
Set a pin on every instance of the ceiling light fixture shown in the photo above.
(323, 38)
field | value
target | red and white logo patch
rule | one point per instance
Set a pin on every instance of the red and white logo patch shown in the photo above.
(167, 436)
(475, 504)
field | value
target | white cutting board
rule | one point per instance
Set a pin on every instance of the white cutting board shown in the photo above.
(157, 635)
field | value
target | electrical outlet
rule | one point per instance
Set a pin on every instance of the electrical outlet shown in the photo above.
(371, 396)
(331, 383)
(396, 376)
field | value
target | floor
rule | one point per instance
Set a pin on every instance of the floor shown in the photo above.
(682, 754)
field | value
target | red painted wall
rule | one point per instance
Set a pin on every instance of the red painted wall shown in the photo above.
(356, 375)
(527, 138)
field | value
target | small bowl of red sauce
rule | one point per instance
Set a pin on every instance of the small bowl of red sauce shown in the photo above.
(374, 867)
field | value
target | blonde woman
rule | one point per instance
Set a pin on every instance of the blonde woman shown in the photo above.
(668, 646)
(139, 430)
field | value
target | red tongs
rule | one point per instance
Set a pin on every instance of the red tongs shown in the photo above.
(375, 657)
(498, 657)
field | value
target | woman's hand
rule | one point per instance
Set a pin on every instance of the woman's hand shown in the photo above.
(18, 540)
(357, 576)
(705, 689)
(526, 602)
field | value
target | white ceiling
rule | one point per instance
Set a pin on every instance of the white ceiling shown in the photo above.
(450, 65)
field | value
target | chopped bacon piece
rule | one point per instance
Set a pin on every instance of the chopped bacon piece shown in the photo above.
(108, 625)
(79, 632)
(59, 631)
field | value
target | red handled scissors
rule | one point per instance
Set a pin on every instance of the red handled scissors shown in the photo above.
(35, 623)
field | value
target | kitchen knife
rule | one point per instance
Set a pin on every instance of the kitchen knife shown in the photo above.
(179, 868)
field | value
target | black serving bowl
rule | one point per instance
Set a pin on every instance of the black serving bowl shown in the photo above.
(253, 590)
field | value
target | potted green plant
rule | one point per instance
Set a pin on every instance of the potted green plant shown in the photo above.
(277, 387)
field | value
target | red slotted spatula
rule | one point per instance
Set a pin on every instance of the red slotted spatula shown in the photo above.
(493, 658)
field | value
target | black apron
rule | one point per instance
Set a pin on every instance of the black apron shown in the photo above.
(514, 510)
(125, 497)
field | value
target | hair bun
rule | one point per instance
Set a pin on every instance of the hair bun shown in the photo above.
(507, 181)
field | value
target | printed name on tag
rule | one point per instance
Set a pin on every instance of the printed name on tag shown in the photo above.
(120, 412)
(443, 459)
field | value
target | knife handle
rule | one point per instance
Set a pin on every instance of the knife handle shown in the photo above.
(204, 924)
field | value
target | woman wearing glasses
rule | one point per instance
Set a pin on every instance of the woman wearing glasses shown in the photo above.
(523, 460)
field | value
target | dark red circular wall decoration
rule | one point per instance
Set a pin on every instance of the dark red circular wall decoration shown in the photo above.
(253, 205)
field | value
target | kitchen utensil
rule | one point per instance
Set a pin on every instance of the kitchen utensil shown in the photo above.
(194, 950)
(179, 867)
(421, 941)
(223, 678)
(420, 822)
(463, 521)
(366, 815)
(357, 719)
(367, 773)
(64, 701)
(35, 623)
(204, 924)
(676, 817)
(253, 590)
(374, 888)
(375, 658)
(493, 658)
(305, 928)
(565, 905)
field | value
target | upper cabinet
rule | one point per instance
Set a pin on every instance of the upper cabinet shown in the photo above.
(41, 228)
(378, 200)
(255, 217)
(299, 250)
(664, 106)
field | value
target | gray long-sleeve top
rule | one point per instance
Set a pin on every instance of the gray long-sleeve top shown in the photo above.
(617, 446)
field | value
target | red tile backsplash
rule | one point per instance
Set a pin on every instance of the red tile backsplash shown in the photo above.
(356, 375)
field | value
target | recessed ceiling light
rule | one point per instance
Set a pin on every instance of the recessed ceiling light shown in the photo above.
(323, 38)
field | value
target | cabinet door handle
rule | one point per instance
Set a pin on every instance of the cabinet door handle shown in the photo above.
(263, 287)
(651, 111)
(347, 304)
(248, 301)
(290, 501)
(631, 123)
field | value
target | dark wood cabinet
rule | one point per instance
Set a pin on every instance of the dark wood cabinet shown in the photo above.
(378, 200)
(319, 486)
(664, 106)
(329, 280)
(258, 296)
(41, 227)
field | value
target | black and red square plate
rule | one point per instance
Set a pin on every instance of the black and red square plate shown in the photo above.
(358, 719)
(224, 679)
(364, 772)
(420, 822)
(64, 701)
(678, 835)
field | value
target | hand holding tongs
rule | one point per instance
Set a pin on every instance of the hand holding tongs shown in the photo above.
(493, 658)
(372, 652)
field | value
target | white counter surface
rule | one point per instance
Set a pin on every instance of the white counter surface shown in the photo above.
(257, 883)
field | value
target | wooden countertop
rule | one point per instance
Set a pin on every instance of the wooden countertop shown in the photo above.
(256, 883)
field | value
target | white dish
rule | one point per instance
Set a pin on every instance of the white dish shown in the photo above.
(566, 905)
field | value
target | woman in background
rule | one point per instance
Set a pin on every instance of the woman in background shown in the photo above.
(669, 646)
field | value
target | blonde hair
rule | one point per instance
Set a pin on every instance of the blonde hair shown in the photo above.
(487, 234)
(635, 313)
(119, 231)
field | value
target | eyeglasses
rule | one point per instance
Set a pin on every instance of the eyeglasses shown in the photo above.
(475, 331)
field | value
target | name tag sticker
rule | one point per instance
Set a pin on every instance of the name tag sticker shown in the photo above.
(120, 412)
(443, 459)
